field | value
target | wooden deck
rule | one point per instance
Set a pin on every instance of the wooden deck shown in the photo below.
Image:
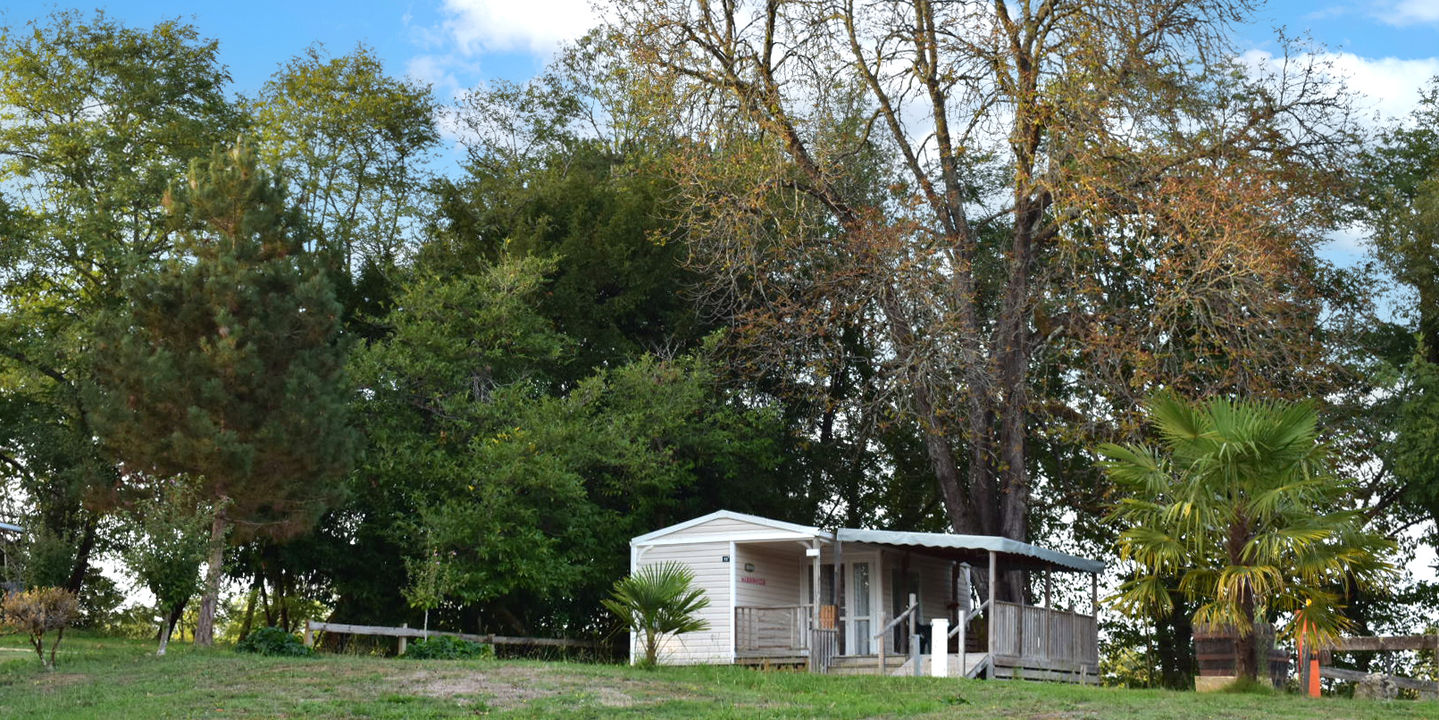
(1037, 643)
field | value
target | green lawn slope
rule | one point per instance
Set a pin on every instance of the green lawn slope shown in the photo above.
(108, 678)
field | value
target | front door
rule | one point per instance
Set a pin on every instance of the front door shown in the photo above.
(861, 609)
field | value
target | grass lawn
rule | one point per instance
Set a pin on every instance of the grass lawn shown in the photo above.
(109, 678)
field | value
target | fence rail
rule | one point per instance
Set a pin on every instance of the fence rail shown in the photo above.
(404, 632)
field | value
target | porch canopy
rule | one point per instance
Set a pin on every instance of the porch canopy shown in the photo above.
(975, 549)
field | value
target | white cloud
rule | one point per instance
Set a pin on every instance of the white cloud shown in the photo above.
(1389, 86)
(536, 26)
(1410, 12)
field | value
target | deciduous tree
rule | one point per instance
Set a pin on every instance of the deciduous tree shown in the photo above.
(924, 172)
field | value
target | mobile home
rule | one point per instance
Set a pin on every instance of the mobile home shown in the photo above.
(852, 600)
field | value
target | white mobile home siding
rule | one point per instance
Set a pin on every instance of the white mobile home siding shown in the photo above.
(778, 574)
(712, 574)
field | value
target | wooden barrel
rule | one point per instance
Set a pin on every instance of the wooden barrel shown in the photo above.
(1214, 653)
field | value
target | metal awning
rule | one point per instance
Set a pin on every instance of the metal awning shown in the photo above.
(976, 544)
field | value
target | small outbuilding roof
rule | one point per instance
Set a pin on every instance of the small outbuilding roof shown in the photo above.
(1014, 549)
(11, 528)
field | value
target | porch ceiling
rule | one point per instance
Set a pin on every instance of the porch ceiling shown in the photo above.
(976, 547)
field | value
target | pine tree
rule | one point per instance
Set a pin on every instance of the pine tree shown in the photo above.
(226, 364)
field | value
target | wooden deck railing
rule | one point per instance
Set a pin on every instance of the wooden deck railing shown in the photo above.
(1043, 633)
(824, 644)
(771, 630)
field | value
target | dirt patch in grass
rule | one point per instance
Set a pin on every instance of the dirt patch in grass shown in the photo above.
(500, 687)
(56, 680)
(506, 686)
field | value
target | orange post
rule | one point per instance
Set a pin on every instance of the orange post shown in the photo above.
(1308, 662)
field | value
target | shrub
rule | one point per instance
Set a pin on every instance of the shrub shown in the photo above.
(444, 647)
(273, 641)
(658, 600)
(36, 613)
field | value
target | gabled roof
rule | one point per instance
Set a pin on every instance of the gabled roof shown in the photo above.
(778, 525)
(976, 543)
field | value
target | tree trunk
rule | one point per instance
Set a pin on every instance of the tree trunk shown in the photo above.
(1245, 667)
(167, 627)
(265, 602)
(248, 622)
(82, 555)
(205, 625)
(282, 594)
(1174, 635)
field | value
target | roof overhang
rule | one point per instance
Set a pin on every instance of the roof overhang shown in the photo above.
(975, 547)
(763, 529)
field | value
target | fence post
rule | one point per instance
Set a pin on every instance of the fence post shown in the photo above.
(884, 635)
(963, 640)
(913, 617)
(403, 639)
(308, 636)
(914, 657)
(939, 647)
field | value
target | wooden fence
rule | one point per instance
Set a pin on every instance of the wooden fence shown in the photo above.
(1426, 688)
(405, 632)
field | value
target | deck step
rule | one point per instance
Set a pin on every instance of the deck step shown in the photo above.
(899, 665)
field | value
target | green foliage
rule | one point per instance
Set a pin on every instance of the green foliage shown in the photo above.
(528, 497)
(1238, 505)
(445, 647)
(99, 600)
(226, 367)
(616, 286)
(1399, 202)
(1416, 443)
(45, 558)
(659, 600)
(38, 612)
(96, 119)
(353, 144)
(273, 641)
(166, 539)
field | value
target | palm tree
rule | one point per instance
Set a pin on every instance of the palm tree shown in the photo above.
(659, 600)
(1240, 505)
